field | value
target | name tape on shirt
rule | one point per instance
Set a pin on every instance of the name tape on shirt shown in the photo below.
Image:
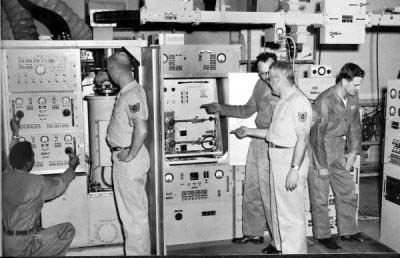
(302, 116)
(134, 108)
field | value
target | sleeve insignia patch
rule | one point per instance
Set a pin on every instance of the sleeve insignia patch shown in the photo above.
(134, 108)
(302, 116)
(320, 120)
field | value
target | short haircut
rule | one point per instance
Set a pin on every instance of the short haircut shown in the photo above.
(21, 154)
(349, 71)
(284, 67)
(118, 64)
(264, 56)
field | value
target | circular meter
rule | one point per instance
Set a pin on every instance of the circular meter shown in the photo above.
(40, 69)
(393, 93)
(41, 101)
(169, 178)
(19, 101)
(66, 100)
(392, 111)
(221, 58)
(219, 174)
(44, 139)
(67, 138)
(164, 58)
(321, 70)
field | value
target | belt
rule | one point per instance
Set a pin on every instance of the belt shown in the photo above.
(20, 232)
(271, 145)
(119, 148)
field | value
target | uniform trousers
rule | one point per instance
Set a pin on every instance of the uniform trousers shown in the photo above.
(343, 188)
(129, 179)
(288, 215)
(52, 241)
(256, 206)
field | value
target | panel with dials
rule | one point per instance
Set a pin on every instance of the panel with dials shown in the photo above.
(42, 69)
(44, 91)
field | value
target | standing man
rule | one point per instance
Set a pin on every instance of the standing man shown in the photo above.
(23, 197)
(126, 134)
(337, 111)
(257, 193)
(288, 139)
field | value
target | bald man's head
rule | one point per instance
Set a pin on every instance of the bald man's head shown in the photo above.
(119, 68)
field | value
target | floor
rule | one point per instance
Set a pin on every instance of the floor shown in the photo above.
(370, 194)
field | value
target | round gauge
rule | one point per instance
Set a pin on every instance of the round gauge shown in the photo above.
(219, 174)
(279, 31)
(40, 69)
(221, 58)
(19, 101)
(169, 178)
(321, 70)
(164, 58)
(67, 138)
(44, 139)
(392, 111)
(393, 93)
(41, 101)
(66, 100)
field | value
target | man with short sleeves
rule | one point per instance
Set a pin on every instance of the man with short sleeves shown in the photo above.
(23, 196)
(126, 134)
(288, 138)
(257, 198)
(337, 111)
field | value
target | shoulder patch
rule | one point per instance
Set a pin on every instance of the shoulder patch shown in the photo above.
(134, 108)
(302, 116)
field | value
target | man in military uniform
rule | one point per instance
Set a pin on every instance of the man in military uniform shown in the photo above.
(337, 115)
(288, 139)
(23, 197)
(126, 134)
(257, 194)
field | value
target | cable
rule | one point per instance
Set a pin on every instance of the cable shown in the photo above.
(294, 53)
(104, 179)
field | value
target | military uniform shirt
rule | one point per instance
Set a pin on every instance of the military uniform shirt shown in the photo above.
(334, 119)
(25, 193)
(261, 101)
(131, 103)
(292, 115)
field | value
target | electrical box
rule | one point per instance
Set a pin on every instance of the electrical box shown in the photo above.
(344, 22)
(312, 87)
(198, 203)
(390, 225)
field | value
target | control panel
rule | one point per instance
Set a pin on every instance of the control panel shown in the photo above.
(44, 90)
(189, 130)
(199, 60)
(198, 203)
(42, 70)
(392, 133)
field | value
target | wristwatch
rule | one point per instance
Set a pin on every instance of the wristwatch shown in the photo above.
(295, 167)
